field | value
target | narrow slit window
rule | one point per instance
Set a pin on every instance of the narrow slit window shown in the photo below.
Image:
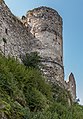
(6, 31)
(61, 58)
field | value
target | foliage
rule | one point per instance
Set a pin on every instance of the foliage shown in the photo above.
(24, 94)
(60, 94)
(31, 60)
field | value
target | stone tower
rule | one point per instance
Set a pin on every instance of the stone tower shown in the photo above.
(46, 26)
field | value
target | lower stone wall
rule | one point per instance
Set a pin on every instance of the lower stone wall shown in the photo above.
(52, 71)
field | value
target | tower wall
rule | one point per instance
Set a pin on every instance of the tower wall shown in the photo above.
(46, 26)
(15, 39)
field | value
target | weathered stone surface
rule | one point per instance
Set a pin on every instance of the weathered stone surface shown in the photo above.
(18, 39)
(40, 30)
(71, 86)
(46, 26)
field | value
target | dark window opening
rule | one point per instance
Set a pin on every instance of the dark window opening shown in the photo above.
(61, 58)
(23, 17)
(46, 10)
(4, 40)
(6, 31)
(58, 43)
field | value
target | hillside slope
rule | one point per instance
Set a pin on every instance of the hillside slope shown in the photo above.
(24, 94)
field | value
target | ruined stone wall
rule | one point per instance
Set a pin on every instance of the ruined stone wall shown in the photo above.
(45, 38)
(17, 38)
(46, 26)
(71, 86)
(41, 31)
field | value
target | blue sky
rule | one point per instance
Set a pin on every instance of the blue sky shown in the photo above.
(71, 12)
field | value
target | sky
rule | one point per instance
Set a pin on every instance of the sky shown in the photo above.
(71, 12)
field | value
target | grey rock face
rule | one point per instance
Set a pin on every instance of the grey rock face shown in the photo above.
(71, 86)
(46, 26)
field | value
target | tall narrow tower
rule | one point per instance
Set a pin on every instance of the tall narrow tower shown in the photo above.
(46, 26)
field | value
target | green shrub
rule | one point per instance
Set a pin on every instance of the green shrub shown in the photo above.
(31, 60)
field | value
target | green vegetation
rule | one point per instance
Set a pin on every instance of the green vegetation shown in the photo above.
(24, 94)
(31, 60)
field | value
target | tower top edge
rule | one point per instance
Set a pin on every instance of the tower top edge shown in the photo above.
(44, 8)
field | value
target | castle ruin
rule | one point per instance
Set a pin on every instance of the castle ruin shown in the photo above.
(40, 30)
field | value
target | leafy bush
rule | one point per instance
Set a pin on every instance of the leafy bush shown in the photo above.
(31, 60)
